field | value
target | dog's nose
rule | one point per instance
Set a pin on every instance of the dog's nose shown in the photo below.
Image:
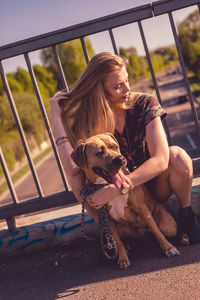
(118, 161)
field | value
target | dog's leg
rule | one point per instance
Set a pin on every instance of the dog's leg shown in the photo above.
(123, 260)
(148, 219)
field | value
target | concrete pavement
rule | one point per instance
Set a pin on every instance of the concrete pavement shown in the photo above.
(55, 227)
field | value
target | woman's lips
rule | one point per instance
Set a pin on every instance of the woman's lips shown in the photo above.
(125, 97)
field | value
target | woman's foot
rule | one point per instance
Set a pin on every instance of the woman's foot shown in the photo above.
(190, 224)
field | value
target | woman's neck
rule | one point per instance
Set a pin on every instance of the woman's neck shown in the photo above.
(119, 116)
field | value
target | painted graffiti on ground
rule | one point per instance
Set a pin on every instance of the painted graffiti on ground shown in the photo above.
(27, 236)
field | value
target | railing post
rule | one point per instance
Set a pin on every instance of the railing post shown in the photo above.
(60, 69)
(45, 118)
(153, 77)
(11, 223)
(8, 177)
(21, 131)
(113, 42)
(187, 85)
(84, 50)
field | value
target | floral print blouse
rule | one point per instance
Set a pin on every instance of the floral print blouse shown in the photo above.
(132, 141)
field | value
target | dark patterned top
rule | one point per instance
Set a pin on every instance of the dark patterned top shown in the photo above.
(132, 141)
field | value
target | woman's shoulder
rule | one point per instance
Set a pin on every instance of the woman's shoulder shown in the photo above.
(136, 98)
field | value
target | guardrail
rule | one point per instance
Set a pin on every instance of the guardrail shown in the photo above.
(52, 39)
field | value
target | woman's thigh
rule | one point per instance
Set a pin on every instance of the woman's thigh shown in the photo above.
(160, 187)
(178, 174)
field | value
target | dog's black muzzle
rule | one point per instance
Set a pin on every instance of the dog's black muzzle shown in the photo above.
(118, 162)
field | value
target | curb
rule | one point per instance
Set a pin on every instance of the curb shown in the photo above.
(64, 230)
(43, 235)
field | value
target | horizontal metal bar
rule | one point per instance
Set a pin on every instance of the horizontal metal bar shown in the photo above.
(76, 31)
(8, 177)
(37, 204)
(162, 7)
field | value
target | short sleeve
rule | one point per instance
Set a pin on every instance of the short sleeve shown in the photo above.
(152, 109)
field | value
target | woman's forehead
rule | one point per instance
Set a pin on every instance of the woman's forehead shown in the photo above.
(118, 75)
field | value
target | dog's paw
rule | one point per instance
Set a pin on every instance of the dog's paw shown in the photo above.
(123, 262)
(172, 252)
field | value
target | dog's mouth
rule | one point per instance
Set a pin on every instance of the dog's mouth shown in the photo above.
(116, 177)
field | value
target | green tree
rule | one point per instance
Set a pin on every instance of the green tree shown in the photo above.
(189, 37)
(169, 54)
(157, 62)
(72, 59)
(23, 77)
(137, 65)
(46, 80)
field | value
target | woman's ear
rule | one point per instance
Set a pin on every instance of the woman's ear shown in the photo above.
(79, 156)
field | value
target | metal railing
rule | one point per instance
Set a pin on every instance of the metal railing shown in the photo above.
(52, 39)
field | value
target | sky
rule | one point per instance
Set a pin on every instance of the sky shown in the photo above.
(20, 19)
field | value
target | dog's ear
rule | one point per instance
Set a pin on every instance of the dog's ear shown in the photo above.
(79, 156)
(112, 136)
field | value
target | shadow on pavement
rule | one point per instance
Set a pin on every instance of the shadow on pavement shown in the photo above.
(67, 271)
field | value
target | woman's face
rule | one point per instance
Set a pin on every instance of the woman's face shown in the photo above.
(117, 86)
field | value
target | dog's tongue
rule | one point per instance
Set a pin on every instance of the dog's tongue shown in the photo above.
(120, 180)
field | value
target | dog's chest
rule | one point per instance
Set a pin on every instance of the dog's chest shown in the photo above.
(117, 207)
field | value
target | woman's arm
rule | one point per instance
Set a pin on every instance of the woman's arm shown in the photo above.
(159, 154)
(155, 165)
(74, 174)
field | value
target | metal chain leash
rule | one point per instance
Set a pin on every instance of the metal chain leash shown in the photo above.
(107, 241)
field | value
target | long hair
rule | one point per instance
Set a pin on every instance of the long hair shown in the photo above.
(86, 110)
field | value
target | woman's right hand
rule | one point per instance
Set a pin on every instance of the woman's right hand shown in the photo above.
(54, 101)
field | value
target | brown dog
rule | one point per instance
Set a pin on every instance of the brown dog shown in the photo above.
(99, 156)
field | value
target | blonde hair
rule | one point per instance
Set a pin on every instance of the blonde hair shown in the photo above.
(86, 110)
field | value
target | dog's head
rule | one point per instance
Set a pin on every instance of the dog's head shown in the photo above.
(100, 156)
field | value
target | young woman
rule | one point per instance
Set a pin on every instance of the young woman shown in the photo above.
(101, 101)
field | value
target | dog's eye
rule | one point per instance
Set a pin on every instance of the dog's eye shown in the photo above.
(101, 152)
(115, 147)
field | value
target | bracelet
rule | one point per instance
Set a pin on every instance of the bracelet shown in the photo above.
(61, 140)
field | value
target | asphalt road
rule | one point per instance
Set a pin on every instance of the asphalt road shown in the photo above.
(49, 178)
(79, 273)
(180, 119)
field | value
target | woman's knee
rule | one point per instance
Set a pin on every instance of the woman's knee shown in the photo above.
(180, 161)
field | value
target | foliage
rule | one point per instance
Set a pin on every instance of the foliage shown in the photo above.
(189, 37)
(138, 66)
(23, 77)
(72, 59)
(32, 123)
(46, 81)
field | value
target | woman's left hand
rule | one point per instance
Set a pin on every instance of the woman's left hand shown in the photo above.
(101, 197)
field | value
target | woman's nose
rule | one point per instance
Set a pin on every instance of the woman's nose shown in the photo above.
(126, 87)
